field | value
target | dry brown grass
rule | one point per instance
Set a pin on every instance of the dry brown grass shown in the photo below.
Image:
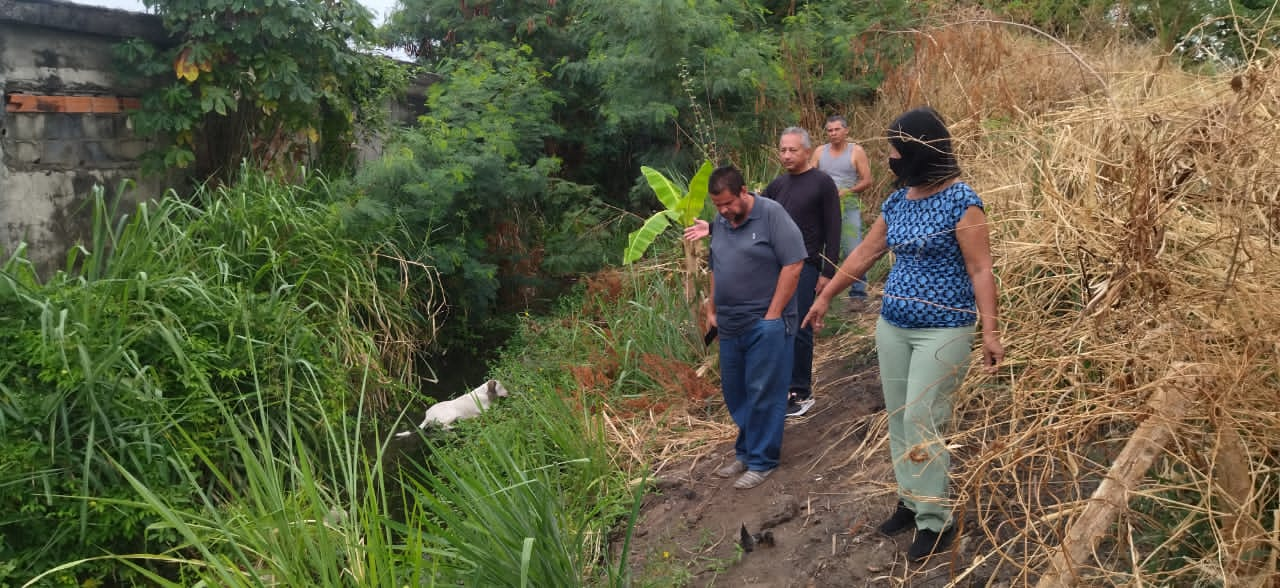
(1135, 212)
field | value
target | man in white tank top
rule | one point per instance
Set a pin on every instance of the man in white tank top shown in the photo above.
(846, 163)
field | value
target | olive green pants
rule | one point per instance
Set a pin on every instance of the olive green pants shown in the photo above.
(920, 369)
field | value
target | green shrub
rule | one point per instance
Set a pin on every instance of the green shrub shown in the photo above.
(469, 191)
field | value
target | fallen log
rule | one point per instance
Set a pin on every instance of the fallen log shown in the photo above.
(1168, 405)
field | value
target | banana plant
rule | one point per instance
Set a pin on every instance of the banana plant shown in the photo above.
(682, 210)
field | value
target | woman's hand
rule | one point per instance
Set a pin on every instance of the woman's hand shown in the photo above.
(697, 230)
(816, 312)
(992, 351)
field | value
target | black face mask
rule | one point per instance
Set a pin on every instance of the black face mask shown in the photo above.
(900, 168)
(922, 140)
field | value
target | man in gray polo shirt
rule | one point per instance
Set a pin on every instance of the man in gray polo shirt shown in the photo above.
(757, 252)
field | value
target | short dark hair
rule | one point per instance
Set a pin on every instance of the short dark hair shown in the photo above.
(726, 178)
(838, 118)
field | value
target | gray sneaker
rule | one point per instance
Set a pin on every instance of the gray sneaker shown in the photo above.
(751, 479)
(734, 468)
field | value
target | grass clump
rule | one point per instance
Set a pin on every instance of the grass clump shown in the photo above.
(527, 499)
(126, 368)
(221, 371)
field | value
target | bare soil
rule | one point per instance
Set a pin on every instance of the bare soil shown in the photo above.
(821, 506)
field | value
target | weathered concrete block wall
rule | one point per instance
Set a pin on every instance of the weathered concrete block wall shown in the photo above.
(403, 112)
(63, 129)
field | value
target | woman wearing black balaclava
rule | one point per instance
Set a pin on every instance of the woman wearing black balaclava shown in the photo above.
(940, 285)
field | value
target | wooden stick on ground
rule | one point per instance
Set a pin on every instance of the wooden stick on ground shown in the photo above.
(1240, 530)
(1168, 404)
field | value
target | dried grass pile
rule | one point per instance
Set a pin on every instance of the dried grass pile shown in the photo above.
(1136, 225)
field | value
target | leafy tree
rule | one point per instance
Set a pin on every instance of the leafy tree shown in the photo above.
(1218, 32)
(1073, 18)
(539, 97)
(268, 81)
(630, 75)
(834, 53)
(473, 183)
(637, 46)
(434, 30)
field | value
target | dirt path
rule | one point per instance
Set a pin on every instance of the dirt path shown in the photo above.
(821, 506)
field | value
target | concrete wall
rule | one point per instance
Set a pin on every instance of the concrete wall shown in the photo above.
(63, 129)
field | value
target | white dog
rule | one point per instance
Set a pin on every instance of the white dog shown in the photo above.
(468, 405)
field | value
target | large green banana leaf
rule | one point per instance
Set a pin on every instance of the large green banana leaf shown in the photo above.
(640, 239)
(688, 208)
(681, 209)
(667, 192)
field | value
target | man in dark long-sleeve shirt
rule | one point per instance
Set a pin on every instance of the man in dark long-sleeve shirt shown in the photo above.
(811, 199)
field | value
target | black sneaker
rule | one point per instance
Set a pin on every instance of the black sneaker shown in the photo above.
(902, 519)
(798, 405)
(928, 543)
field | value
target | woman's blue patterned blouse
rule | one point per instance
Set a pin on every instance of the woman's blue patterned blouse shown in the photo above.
(928, 286)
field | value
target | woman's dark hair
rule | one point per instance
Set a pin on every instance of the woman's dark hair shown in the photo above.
(922, 139)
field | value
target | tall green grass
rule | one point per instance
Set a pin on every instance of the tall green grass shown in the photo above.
(123, 361)
(198, 398)
(534, 493)
(525, 499)
(292, 513)
(526, 495)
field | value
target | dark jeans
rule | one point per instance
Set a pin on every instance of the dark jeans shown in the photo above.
(753, 369)
(802, 368)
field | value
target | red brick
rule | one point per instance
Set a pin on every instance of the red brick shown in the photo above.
(20, 103)
(105, 105)
(70, 104)
(50, 104)
(76, 104)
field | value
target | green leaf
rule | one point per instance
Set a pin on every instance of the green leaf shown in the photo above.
(640, 239)
(667, 192)
(691, 204)
(216, 99)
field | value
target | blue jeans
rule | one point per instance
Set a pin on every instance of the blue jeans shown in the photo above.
(753, 369)
(802, 366)
(850, 236)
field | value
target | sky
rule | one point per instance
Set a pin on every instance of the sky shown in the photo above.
(379, 8)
